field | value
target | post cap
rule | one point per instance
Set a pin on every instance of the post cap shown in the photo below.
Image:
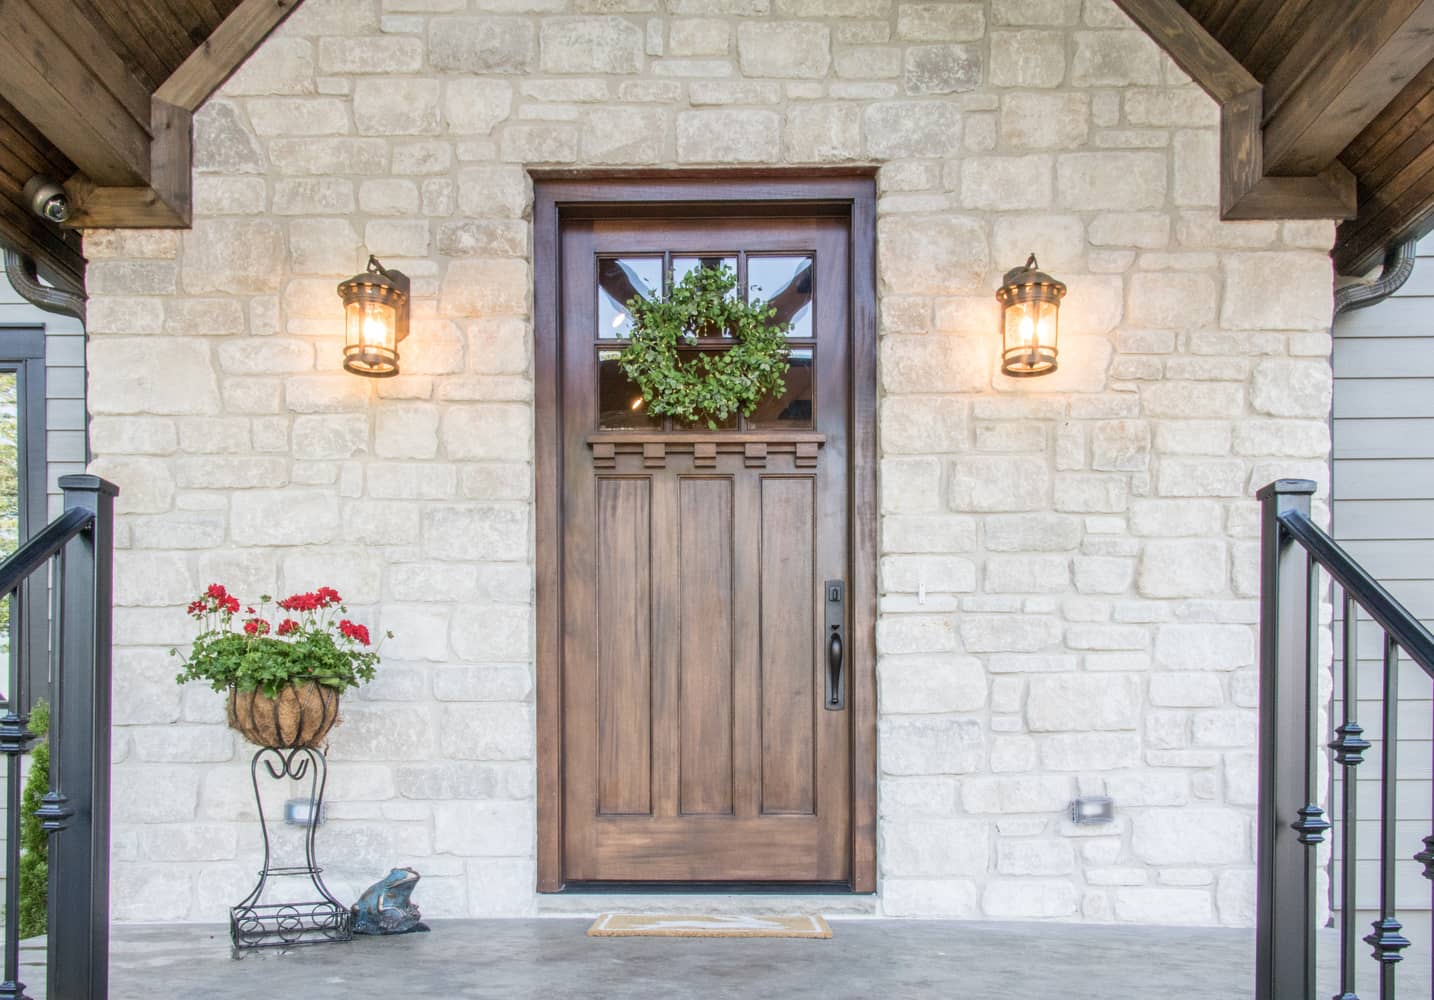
(86, 483)
(1287, 487)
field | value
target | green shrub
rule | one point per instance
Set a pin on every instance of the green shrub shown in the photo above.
(35, 842)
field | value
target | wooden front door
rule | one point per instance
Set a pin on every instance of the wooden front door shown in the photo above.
(705, 732)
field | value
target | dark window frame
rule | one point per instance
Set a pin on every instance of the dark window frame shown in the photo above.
(22, 351)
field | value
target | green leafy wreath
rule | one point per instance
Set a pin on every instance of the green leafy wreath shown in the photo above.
(712, 385)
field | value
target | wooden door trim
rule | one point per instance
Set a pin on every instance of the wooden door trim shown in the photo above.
(850, 194)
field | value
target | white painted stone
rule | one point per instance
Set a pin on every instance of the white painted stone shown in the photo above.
(925, 684)
(1191, 836)
(1014, 899)
(783, 49)
(1183, 567)
(931, 255)
(1205, 647)
(1080, 702)
(935, 847)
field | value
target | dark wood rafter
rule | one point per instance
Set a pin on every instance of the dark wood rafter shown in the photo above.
(1348, 63)
(1394, 159)
(1326, 110)
(101, 95)
(1248, 190)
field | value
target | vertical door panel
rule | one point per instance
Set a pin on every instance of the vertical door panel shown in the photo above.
(705, 556)
(624, 622)
(786, 594)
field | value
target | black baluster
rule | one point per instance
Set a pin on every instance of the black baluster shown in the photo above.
(1426, 858)
(1349, 746)
(15, 740)
(1311, 825)
(1386, 940)
(55, 812)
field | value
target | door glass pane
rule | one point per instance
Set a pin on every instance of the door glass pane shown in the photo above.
(785, 282)
(620, 403)
(9, 488)
(792, 410)
(621, 279)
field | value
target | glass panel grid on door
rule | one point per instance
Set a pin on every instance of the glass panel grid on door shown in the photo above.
(783, 279)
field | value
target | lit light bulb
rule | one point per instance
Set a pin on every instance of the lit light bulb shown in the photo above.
(375, 332)
(637, 403)
(1028, 330)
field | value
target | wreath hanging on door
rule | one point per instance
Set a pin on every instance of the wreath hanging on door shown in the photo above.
(704, 386)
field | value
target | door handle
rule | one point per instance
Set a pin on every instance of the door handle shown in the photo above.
(836, 645)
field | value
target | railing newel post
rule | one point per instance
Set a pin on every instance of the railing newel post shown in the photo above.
(1286, 864)
(79, 855)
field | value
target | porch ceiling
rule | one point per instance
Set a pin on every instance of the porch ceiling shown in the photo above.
(1327, 109)
(99, 94)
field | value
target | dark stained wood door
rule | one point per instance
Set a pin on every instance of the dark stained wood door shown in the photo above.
(699, 742)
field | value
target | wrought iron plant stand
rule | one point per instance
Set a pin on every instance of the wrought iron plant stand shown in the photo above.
(257, 924)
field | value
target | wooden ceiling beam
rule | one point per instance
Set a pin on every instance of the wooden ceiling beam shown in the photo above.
(223, 52)
(1247, 189)
(1313, 116)
(166, 200)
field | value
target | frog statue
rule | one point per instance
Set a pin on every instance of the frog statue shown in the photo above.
(385, 908)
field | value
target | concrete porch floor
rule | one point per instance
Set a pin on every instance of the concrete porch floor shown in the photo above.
(553, 958)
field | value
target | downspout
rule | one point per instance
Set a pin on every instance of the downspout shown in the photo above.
(25, 279)
(1398, 266)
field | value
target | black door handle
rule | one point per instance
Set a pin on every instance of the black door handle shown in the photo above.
(836, 645)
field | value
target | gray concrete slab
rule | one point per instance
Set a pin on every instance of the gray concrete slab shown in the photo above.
(553, 958)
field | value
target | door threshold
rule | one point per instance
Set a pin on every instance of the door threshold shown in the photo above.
(711, 888)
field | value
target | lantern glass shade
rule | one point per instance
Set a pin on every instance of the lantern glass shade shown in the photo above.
(375, 320)
(1030, 321)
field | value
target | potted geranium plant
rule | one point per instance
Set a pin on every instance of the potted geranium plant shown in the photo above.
(283, 678)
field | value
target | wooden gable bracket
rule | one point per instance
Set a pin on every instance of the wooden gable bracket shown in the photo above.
(133, 149)
(1266, 172)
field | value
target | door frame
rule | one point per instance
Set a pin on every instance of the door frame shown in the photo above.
(843, 193)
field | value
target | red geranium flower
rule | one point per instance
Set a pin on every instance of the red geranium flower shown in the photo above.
(217, 592)
(230, 604)
(288, 626)
(256, 626)
(355, 631)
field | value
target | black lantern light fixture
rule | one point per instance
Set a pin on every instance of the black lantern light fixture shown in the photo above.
(1030, 308)
(375, 320)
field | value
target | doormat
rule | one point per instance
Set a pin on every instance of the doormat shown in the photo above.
(707, 925)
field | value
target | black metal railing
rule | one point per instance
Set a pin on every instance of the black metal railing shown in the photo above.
(73, 558)
(1292, 823)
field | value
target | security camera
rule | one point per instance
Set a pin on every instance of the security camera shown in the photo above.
(47, 198)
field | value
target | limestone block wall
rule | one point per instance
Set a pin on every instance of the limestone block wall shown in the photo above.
(1068, 564)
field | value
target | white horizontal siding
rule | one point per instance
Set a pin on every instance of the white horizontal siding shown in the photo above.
(64, 386)
(1383, 513)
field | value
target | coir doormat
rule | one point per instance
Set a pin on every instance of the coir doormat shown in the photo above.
(707, 925)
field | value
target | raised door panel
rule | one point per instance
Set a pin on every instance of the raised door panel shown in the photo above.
(786, 595)
(706, 666)
(624, 646)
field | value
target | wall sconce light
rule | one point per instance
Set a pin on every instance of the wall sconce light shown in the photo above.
(1030, 308)
(375, 320)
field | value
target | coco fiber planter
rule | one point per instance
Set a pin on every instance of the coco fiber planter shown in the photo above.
(301, 715)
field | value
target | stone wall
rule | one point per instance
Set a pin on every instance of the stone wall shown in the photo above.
(1068, 567)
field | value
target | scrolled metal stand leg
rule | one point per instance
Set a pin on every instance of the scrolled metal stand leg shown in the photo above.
(256, 924)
